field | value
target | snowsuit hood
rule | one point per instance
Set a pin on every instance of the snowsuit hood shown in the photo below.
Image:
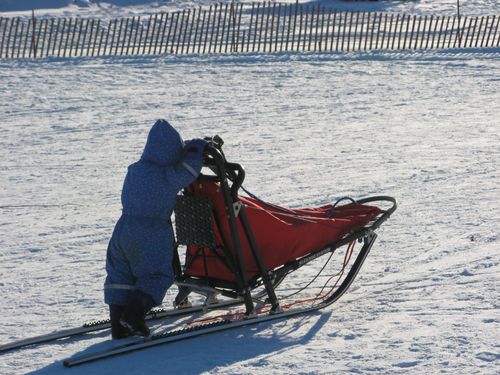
(164, 145)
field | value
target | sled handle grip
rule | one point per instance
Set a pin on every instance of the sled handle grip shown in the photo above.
(223, 168)
(237, 176)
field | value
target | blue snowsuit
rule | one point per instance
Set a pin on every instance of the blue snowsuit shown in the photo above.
(139, 255)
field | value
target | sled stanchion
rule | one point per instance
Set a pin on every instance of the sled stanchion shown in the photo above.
(259, 261)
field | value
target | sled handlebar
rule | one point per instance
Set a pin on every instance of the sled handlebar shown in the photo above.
(216, 161)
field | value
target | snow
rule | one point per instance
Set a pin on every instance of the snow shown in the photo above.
(129, 8)
(309, 128)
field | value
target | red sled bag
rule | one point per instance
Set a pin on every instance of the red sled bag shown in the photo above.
(282, 234)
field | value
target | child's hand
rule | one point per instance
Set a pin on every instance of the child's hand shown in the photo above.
(195, 146)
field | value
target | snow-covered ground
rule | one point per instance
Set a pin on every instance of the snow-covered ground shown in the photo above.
(423, 127)
(129, 8)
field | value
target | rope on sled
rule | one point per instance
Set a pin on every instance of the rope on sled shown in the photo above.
(320, 296)
(285, 210)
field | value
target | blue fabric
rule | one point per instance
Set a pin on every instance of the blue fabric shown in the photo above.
(140, 251)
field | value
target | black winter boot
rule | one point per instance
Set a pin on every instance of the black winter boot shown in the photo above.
(118, 331)
(133, 315)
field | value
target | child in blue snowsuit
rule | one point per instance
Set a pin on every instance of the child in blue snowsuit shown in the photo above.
(139, 256)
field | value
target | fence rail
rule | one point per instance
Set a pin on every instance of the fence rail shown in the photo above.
(235, 27)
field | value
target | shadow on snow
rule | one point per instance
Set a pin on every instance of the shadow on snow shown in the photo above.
(205, 353)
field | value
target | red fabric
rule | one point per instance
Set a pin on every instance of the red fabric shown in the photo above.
(281, 237)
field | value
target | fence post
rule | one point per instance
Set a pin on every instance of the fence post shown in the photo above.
(256, 26)
(473, 32)
(147, 34)
(67, 37)
(98, 27)
(498, 38)
(327, 35)
(423, 30)
(484, 32)
(491, 29)
(321, 35)
(56, 33)
(188, 17)
(152, 32)
(440, 31)
(316, 36)
(218, 17)
(435, 32)
(132, 22)
(338, 29)
(59, 38)
(180, 31)
(212, 29)
(72, 36)
(89, 43)
(79, 35)
(26, 38)
(33, 38)
(289, 29)
(378, 29)
(265, 31)
(395, 35)
(412, 31)
(367, 29)
(124, 39)
(385, 32)
(391, 33)
(231, 31)
(445, 29)
(191, 30)
(200, 38)
(15, 38)
(173, 16)
(20, 40)
(496, 29)
(107, 37)
(84, 35)
(294, 22)
(458, 33)
(208, 27)
(2, 19)
(239, 30)
(277, 29)
(361, 31)
(309, 27)
(355, 36)
(223, 31)
(163, 33)
(400, 30)
(223, 28)
(272, 28)
(468, 31)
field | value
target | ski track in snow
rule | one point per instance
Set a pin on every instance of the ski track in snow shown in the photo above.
(309, 128)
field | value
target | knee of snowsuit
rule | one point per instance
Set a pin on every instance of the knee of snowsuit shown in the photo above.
(139, 255)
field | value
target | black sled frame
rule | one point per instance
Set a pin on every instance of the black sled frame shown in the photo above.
(194, 228)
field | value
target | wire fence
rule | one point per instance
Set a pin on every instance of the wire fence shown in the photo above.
(235, 27)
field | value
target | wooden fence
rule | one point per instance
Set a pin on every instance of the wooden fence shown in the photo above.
(235, 27)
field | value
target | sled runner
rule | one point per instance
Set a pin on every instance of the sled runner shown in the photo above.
(247, 260)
